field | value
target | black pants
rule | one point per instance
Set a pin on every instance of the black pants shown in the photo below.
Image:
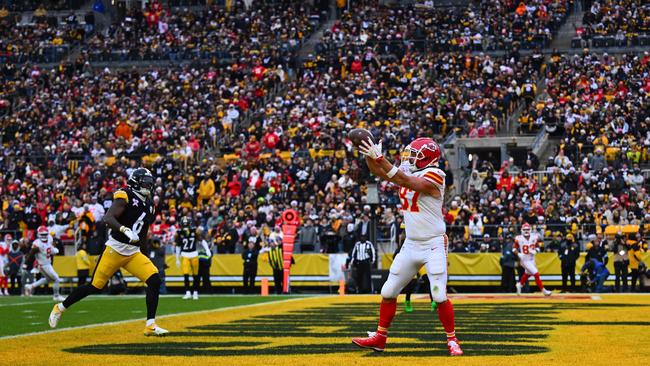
(82, 277)
(634, 273)
(278, 279)
(569, 272)
(363, 277)
(15, 282)
(204, 275)
(620, 270)
(250, 272)
(508, 279)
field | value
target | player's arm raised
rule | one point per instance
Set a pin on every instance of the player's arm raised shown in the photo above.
(384, 169)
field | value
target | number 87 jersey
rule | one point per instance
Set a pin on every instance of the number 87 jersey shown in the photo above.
(423, 215)
(137, 216)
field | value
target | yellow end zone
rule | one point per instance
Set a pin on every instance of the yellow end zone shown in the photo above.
(494, 330)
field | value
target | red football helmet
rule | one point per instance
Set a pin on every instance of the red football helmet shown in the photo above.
(42, 232)
(525, 229)
(421, 153)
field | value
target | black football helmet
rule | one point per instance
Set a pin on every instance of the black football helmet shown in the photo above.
(186, 222)
(141, 181)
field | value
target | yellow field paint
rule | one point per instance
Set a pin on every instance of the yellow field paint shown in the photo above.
(572, 330)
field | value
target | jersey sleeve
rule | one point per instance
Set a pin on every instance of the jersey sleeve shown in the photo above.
(121, 194)
(435, 176)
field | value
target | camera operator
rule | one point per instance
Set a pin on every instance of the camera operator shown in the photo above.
(569, 254)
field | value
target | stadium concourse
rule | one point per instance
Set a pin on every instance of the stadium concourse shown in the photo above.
(241, 110)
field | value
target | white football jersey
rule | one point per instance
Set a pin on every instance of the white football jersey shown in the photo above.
(527, 247)
(45, 251)
(423, 216)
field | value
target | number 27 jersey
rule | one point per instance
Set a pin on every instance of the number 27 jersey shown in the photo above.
(423, 216)
(137, 216)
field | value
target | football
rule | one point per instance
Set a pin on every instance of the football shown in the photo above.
(358, 135)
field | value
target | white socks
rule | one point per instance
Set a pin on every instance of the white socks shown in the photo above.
(150, 321)
(61, 307)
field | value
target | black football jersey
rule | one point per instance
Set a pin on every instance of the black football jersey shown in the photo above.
(138, 216)
(187, 240)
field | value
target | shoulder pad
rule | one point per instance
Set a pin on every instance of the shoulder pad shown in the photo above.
(121, 194)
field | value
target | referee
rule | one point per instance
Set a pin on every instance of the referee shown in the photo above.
(277, 264)
(363, 256)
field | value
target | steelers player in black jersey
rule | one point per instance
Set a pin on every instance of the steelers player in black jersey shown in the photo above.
(187, 255)
(128, 222)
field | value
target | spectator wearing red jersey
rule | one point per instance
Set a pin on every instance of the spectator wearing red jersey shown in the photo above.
(253, 148)
(270, 139)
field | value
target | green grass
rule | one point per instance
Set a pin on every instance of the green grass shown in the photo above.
(19, 315)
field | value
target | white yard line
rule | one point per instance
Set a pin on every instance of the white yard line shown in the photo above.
(159, 317)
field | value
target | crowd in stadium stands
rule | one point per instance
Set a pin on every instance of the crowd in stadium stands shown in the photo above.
(622, 22)
(43, 38)
(267, 31)
(32, 5)
(76, 131)
(483, 25)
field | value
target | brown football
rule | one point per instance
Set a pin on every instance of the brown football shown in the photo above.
(358, 135)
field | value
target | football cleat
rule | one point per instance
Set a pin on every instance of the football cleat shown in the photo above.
(374, 341)
(188, 295)
(195, 295)
(408, 306)
(454, 348)
(55, 316)
(547, 292)
(154, 330)
(518, 286)
(28, 290)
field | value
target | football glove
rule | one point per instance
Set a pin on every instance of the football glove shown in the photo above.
(371, 150)
(133, 237)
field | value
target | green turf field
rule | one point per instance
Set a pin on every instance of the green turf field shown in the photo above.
(19, 315)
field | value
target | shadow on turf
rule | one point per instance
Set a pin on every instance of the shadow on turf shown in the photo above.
(494, 329)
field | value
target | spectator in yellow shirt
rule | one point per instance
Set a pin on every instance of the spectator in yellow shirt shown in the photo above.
(83, 265)
(206, 190)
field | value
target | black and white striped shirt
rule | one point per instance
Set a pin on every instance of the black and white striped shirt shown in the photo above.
(363, 251)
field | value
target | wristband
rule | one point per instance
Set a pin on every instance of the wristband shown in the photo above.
(392, 172)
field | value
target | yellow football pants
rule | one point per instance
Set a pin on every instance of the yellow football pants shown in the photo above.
(190, 266)
(111, 261)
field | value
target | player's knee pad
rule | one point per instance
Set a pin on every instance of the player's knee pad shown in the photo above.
(153, 282)
(438, 288)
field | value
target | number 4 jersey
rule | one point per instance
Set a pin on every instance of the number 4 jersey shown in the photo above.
(423, 216)
(138, 216)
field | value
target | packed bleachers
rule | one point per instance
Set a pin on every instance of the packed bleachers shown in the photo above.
(265, 30)
(483, 25)
(615, 24)
(233, 158)
(39, 37)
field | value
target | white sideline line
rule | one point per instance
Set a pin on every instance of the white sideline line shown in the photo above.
(159, 317)
(107, 297)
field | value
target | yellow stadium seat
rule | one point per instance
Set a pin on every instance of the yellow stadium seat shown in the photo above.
(285, 155)
(109, 161)
(630, 229)
(339, 154)
(230, 157)
(612, 230)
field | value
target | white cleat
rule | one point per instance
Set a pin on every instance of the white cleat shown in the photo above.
(187, 296)
(28, 290)
(154, 330)
(195, 295)
(547, 292)
(518, 286)
(55, 316)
